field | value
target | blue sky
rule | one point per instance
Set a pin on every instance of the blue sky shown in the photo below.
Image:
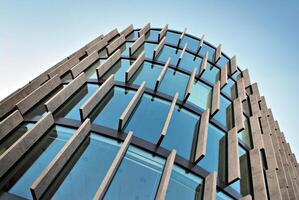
(35, 35)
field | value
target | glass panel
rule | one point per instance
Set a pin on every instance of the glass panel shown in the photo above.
(211, 74)
(148, 48)
(188, 63)
(201, 95)
(172, 38)
(53, 143)
(71, 110)
(224, 115)
(222, 61)
(206, 48)
(235, 75)
(174, 82)
(91, 71)
(169, 52)
(147, 72)
(119, 70)
(137, 177)
(124, 48)
(227, 89)
(148, 119)
(133, 35)
(14, 136)
(222, 196)
(244, 135)
(210, 161)
(180, 133)
(109, 110)
(85, 177)
(182, 185)
(152, 35)
(192, 44)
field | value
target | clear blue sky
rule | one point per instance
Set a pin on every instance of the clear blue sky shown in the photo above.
(263, 35)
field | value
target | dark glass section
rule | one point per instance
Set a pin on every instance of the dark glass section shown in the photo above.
(91, 71)
(119, 70)
(169, 52)
(137, 177)
(85, 177)
(148, 49)
(133, 35)
(201, 95)
(124, 48)
(244, 135)
(224, 115)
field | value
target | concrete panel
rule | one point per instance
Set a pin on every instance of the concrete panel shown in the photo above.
(238, 115)
(200, 43)
(263, 105)
(164, 182)
(233, 65)
(246, 78)
(111, 34)
(217, 54)
(38, 94)
(258, 182)
(65, 67)
(202, 136)
(135, 46)
(181, 37)
(10, 123)
(130, 108)
(127, 30)
(106, 66)
(84, 64)
(284, 193)
(254, 105)
(203, 65)
(134, 67)
(96, 98)
(189, 85)
(98, 46)
(247, 197)
(113, 168)
(158, 48)
(256, 135)
(215, 105)
(41, 184)
(162, 74)
(115, 44)
(233, 163)
(255, 90)
(64, 94)
(24, 143)
(223, 76)
(163, 32)
(181, 55)
(241, 89)
(168, 118)
(144, 30)
(210, 186)
(273, 186)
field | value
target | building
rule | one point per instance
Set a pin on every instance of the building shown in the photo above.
(144, 113)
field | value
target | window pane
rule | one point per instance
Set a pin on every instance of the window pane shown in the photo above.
(222, 196)
(200, 95)
(192, 44)
(119, 70)
(222, 61)
(169, 52)
(148, 119)
(188, 63)
(172, 38)
(211, 74)
(227, 89)
(91, 71)
(124, 48)
(137, 177)
(182, 185)
(152, 35)
(86, 176)
(133, 35)
(244, 135)
(224, 114)
(206, 48)
(148, 49)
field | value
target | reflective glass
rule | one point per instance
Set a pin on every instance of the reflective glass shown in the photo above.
(124, 48)
(85, 177)
(148, 119)
(119, 70)
(169, 52)
(200, 95)
(182, 185)
(109, 110)
(172, 38)
(211, 74)
(222, 61)
(227, 89)
(53, 143)
(180, 133)
(91, 71)
(137, 177)
(188, 63)
(148, 48)
(192, 44)
(206, 48)
(152, 35)
(236, 74)
(244, 135)
(133, 35)
(222, 196)
(225, 113)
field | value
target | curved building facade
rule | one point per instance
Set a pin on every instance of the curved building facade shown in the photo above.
(147, 113)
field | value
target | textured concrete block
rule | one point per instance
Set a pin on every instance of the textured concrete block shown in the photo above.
(57, 100)
(247, 197)
(96, 98)
(255, 90)
(65, 67)
(135, 46)
(217, 54)
(162, 74)
(10, 123)
(111, 34)
(97, 46)
(158, 48)
(163, 32)
(181, 55)
(24, 143)
(38, 94)
(127, 30)
(200, 43)
(241, 89)
(84, 64)
(189, 85)
(215, 105)
(233, 65)
(134, 67)
(107, 65)
(256, 135)
(144, 30)
(161, 193)
(131, 106)
(223, 76)
(238, 115)
(254, 105)
(113, 168)
(116, 44)
(233, 156)
(48, 175)
(273, 186)
(202, 136)
(210, 186)
(246, 78)
(203, 65)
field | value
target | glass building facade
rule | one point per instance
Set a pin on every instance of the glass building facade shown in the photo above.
(148, 113)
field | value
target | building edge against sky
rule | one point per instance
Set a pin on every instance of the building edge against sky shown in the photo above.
(254, 160)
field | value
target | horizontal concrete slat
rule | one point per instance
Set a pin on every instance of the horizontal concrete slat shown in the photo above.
(64, 67)
(10, 123)
(144, 30)
(210, 186)
(116, 44)
(202, 136)
(256, 132)
(127, 30)
(84, 64)
(57, 100)
(189, 85)
(113, 168)
(215, 105)
(223, 76)
(165, 178)
(273, 185)
(217, 54)
(158, 48)
(238, 115)
(134, 67)
(106, 66)
(41, 184)
(111, 34)
(38, 94)
(95, 99)
(203, 65)
(130, 107)
(162, 74)
(233, 162)
(24, 143)
(163, 32)
(233, 65)
(135, 46)
(97, 46)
